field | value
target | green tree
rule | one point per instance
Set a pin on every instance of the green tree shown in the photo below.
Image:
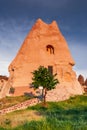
(42, 77)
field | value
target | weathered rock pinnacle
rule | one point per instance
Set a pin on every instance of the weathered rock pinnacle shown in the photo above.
(44, 46)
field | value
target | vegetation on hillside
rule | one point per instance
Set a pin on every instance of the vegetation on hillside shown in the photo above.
(66, 115)
(10, 101)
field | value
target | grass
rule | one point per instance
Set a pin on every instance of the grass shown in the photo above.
(66, 115)
(16, 118)
(10, 101)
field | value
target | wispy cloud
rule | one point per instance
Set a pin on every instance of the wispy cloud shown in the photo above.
(82, 72)
(4, 67)
(79, 52)
(12, 35)
(13, 32)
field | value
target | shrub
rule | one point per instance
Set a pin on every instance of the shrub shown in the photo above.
(7, 122)
(12, 90)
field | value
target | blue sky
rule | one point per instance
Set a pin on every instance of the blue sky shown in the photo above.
(18, 16)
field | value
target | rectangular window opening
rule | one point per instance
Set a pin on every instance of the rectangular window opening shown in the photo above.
(50, 69)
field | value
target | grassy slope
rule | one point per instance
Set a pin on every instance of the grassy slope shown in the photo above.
(10, 101)
(66, 115)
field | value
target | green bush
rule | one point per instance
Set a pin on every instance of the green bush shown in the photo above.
(7, 121)
(12, 90)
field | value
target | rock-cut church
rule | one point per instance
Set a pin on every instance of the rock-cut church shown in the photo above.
(44, 46)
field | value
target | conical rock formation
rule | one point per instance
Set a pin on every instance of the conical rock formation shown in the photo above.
(43, 46)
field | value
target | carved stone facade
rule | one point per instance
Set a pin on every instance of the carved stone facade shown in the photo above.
(43, 46)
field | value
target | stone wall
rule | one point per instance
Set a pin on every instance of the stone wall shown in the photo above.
(20, 106)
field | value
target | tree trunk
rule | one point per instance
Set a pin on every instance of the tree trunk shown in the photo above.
(44, 97)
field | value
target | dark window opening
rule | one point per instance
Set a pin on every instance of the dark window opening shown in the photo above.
(50, 49)
(50, 69)
(12, 69)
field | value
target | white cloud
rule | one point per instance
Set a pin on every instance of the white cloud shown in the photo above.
(79, 53)
(81, 71)
(12, 35)
(4, 68)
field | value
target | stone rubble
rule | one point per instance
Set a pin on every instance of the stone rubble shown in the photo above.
(19, 106)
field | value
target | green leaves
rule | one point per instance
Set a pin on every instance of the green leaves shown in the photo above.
(42, 77)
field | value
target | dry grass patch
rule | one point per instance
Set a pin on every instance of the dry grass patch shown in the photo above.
(10, 101)
(18, 118)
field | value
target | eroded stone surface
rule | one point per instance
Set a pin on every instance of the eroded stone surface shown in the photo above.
(64, 91)
(3, 86)
(45, 46)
